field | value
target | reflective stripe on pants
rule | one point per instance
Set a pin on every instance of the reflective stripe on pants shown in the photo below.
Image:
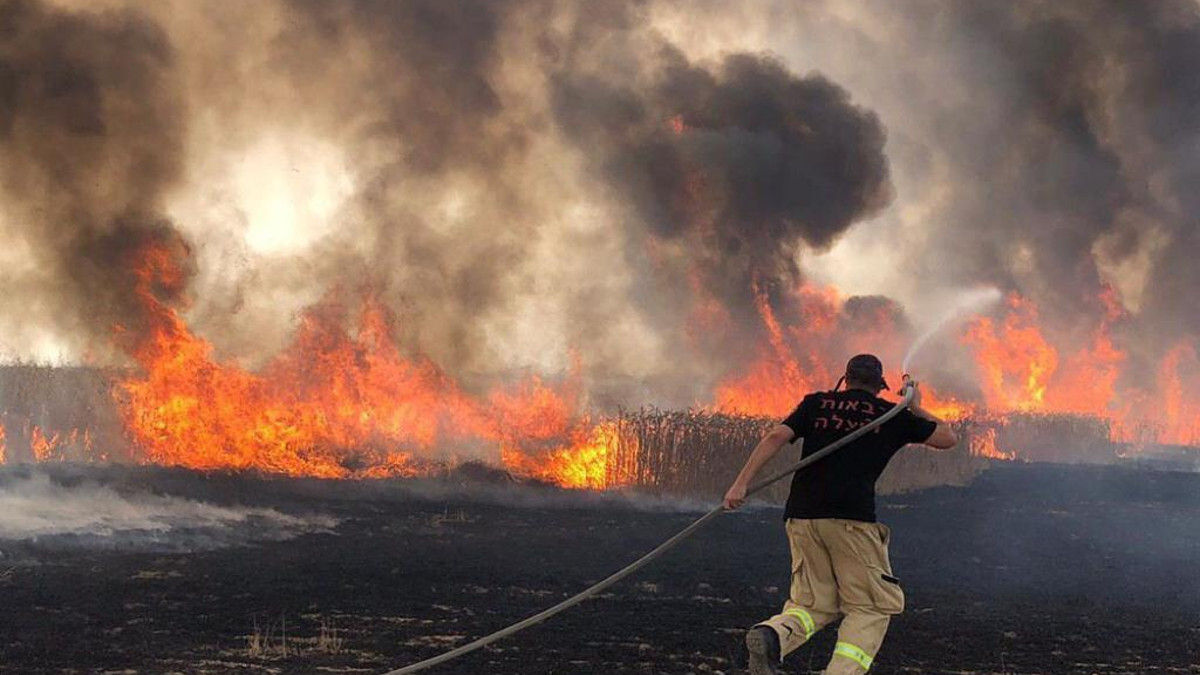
(853, 653)
(806, 620)
(840, 569)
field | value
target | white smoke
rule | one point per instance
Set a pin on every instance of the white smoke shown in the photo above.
(34, 507)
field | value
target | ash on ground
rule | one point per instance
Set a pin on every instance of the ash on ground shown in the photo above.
(1032, 568)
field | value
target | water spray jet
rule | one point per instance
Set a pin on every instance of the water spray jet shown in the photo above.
(969, 302)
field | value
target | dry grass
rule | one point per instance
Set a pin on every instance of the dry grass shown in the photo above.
(697, 453)
(328, 641)
(1054, 437)
(46, 410)
(447, 518)
(272, 641)
(687, 452)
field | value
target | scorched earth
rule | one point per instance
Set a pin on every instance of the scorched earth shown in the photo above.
(1030, 569)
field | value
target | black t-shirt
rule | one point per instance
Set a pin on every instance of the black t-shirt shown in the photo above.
(842, 485)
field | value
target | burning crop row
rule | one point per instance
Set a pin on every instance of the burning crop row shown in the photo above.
(343, 403)
(1017, 367)
(479, 195)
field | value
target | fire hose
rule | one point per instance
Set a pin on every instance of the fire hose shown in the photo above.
(905, 399)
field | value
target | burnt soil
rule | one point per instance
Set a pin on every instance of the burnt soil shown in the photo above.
(1031, 569)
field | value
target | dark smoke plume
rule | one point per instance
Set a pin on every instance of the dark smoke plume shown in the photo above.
(1050, 146)
(90, 142)
(731, 166)
(1092, 162)
(530, 176)
(777, 160)
(489, 107)
(1097, 101)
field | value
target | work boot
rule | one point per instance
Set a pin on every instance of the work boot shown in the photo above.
(763, 643)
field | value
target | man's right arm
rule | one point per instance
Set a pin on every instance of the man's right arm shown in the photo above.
(767, 448)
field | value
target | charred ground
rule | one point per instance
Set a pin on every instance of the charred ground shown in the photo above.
(1030, 569)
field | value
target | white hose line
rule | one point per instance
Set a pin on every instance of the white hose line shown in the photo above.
(659, 550)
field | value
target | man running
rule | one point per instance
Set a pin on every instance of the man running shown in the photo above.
(840, 565)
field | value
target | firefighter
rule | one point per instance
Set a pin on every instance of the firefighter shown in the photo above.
(840, 565)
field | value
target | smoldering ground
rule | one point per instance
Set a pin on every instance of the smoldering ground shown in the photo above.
(68, 507)
(1031, 569)
(55, 507)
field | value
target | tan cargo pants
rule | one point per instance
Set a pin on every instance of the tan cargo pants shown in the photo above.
(840, 568)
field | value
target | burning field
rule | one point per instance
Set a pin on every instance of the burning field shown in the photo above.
(408, 282)
(304, 299)
(343, 401)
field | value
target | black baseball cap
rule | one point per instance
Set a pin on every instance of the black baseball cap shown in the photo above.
(868, 369)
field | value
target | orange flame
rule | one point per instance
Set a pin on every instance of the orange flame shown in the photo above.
(1088, 383)
(344, 399)
(43, 446)
(584, 463)
(335, 403)
(1019, 369)
(772, 384)
(945, 407)
(1182, 418)
(1015, 361)
(983, 444)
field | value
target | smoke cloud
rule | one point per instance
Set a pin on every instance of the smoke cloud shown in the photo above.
(730, 168)
(1084, 180)
(91, 140)
(1042, 147)
(528, 180)
(497, 178)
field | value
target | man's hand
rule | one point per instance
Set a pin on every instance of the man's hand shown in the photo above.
(916, 396)
(736, 496)
(943, 436)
